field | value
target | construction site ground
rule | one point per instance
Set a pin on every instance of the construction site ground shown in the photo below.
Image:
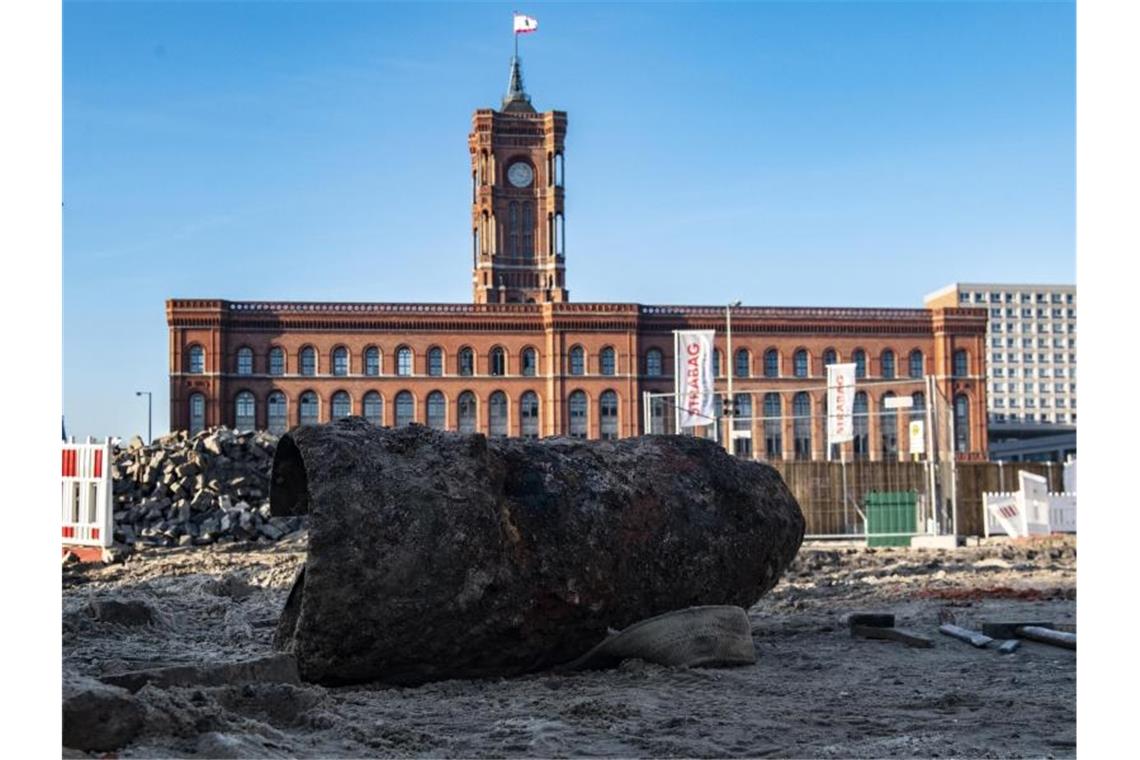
(813, 692)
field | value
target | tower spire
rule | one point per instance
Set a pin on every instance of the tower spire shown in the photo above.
(516, 98)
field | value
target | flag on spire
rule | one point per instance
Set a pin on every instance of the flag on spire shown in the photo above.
(525, 24)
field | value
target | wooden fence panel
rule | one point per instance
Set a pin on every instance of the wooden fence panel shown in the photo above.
(818, 487)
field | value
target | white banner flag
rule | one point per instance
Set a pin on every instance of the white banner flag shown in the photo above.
(693, 378)
(525, 24)
(840, 398)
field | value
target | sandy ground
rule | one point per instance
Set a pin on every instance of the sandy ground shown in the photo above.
(814, 692)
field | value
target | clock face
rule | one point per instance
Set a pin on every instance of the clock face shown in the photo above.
(520, 174)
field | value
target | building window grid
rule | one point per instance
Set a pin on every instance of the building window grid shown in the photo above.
(245, 361)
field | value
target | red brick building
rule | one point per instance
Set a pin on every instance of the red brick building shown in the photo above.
(523, 360)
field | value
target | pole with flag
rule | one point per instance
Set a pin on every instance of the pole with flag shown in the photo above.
(523, 25)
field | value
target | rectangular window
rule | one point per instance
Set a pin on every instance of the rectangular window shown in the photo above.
(1056, 298)
(998, 372)
(979, 297)
(1056, 313)
(999, 403)
(1027, 312)
(996, 327)
(963, 298)
(995, 312)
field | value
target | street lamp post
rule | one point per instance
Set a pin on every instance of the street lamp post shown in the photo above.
(730, 402)
(148, 416)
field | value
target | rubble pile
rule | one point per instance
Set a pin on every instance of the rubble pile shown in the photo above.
(190, 490)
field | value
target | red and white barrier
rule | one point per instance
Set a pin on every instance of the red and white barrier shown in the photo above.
(86, 494)
(1031, 511)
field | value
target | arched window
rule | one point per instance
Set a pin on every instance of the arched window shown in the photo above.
(608, 409)
(578, 410)
(916, 364)
(961, 363)
(467, 408)
(918, 406)
(830, 357)
(513, 229)
(529, 362)
(498, 361)
(718, 369)
(197, 413)
(773, 426)
(801, 426)
(497, 405)
(608, 361)
(374, 408)
(277, 361)
(435, 361)
(888, 429)
(372, 361)
(528, 413)
(741, 366)
(859, 425)
(961, 421)
(278, 413)
(310, 408)
(860, 359)
(341, 405)
(196, 360)
(800, 363)
(527, 229)
(340, 361)
(653, 362)
(308, 360)
(405, 409)
(771, 363)
(404, 361)
(887, 363)
(466, 362)
(245, 411)
(245, 361)
(577, 361)
(742, 408)
(436, 411)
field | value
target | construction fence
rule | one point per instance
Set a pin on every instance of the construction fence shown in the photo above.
(903, 475)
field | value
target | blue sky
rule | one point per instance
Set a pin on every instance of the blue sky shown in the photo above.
(798, 153)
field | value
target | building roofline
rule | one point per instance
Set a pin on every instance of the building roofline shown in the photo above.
(999, 286)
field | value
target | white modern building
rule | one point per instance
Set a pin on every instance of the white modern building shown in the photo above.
(1031, 365)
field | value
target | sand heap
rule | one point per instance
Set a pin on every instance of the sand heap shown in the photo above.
(189, 490)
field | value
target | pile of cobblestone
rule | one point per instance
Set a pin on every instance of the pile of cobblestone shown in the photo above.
(190, 490)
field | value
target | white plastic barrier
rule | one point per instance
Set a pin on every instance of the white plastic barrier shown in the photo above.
(86, 491)
(1035, 502)
(1004, 514)
(1030, 511)
(1063, 512)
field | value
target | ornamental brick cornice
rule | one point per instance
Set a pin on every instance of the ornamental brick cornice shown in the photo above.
(465, 317)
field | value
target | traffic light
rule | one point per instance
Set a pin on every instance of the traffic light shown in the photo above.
(728, 410)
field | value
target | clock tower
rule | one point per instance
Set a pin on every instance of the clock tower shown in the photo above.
(517, 195)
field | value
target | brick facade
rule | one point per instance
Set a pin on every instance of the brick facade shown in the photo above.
(521, 304)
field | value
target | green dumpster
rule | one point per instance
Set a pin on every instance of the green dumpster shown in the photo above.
(890, 512)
